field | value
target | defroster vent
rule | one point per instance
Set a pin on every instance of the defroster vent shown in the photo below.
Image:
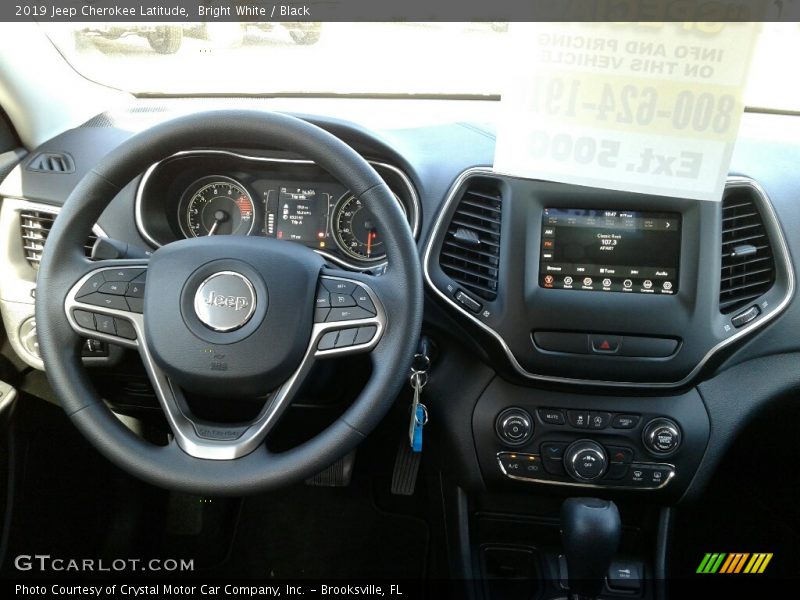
(51, 162)
(470, 253)
(748, 264)
(35, 226)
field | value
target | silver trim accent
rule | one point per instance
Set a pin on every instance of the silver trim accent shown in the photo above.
(779, 244)
(200, 300)
(171, 399)
(7, 396)
(588, 485)
(417, 209)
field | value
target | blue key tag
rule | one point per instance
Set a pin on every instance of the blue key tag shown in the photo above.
(419, 413)
(420, 419)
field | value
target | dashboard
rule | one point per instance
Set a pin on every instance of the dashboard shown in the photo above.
(561, 313)
(230, 192)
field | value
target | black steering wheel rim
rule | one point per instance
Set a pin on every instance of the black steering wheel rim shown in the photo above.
(63, 260)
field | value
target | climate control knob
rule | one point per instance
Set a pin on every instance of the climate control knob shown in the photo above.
(585, 460)
(514, 426)
(662, 437)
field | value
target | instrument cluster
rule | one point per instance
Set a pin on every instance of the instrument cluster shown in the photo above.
(216, 192)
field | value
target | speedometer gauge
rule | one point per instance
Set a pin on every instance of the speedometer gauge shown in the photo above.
(354, 230)
(216, 205)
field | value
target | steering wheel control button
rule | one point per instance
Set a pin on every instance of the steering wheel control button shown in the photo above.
(347, 337)
(115, 288)
(364, 301)
(335, 286)
(92, 284)
(605, 344)
(551, 416)
(620, 454)
(84, 319)
(662, 437)
(625, 421)
(323, 299)
(328, 341)
(105, 324)
(514, 426)
(342, 300)
(106, 301)
(599, 420)
(320, 314)
(136, 305)
(135, 290)
(225, 301)
(468, 302)
(125, 329)
(365, 334)
(347, 314)
(585, 460)
(123, 274)
(744, 317)
(578, 418)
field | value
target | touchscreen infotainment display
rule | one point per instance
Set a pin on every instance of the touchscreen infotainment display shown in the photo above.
(610, 251)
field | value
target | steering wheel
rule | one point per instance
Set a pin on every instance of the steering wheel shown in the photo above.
(226, 317)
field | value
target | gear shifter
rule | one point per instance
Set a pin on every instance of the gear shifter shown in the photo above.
(590, 530)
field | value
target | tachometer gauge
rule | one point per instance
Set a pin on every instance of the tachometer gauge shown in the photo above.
(216, 205)
(355, 230)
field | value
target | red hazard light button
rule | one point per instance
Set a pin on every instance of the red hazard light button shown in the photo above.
(605, 344)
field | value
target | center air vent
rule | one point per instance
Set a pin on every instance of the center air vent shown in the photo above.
(748, 265)
(35, 226)
(470, 253)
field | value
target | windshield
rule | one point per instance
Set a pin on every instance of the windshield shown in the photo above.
(431, 59)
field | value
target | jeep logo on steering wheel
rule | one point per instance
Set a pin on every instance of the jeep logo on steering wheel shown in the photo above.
(225, 301)
(234, 302)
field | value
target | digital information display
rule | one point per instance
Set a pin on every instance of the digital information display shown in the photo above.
(301, 215)
(610, 251)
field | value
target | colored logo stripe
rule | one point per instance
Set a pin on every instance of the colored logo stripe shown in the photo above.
(711, 562)
(758, 563)
(721, 562)
(734, 563)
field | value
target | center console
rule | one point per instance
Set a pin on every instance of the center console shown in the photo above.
(618, 443)
(596, 311)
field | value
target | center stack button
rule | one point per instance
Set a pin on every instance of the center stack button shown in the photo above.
(585, 460)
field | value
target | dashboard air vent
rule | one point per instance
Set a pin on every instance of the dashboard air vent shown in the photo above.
(748, 265)
(35, 226)
(470, 252)
(51, 162)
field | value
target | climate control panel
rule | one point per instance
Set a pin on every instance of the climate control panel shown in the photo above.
(619, 443)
